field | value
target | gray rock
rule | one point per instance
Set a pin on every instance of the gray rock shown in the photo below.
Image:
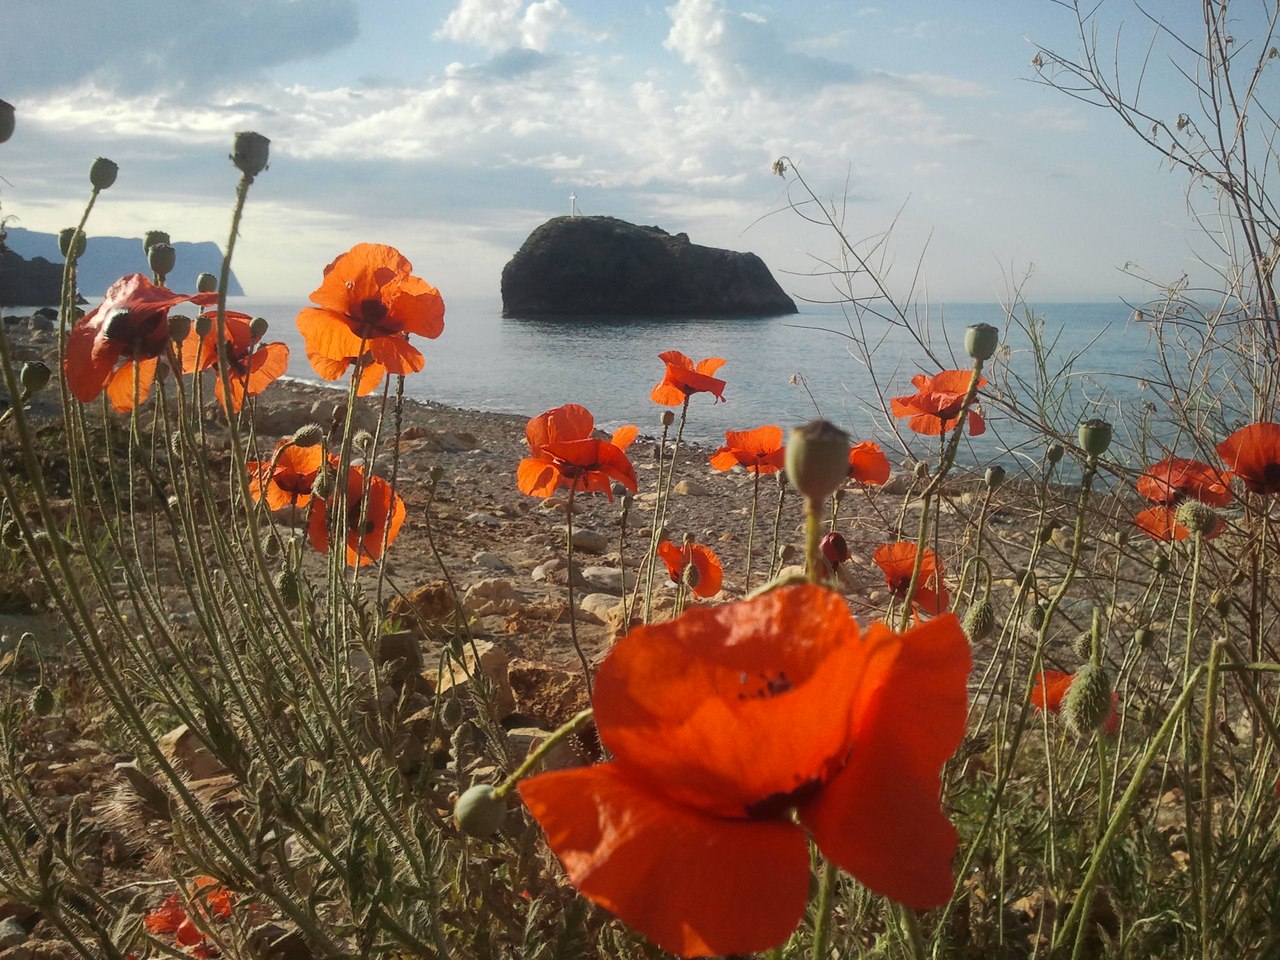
(606, 580)
(589, 541)
(491, 561)
(12, 933)
(485, 519)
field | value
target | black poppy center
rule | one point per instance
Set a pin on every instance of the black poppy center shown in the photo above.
(776, 805)
(1271, 478)
(768, 686)
(372, 312)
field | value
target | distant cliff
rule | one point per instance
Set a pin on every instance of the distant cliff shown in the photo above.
(107, 259)
(602, 265)
(29, 283)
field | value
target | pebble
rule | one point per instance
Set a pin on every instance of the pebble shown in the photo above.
(490, 561)
(590, 541)
(486, 519)
(606, 580)
(12, 933)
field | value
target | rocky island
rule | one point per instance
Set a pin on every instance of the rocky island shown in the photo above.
(606, 266)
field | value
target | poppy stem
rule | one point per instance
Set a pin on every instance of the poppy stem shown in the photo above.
(541, 750)
(812, 538)
(573, 613)
(822, 910)
(774, 559)
(751, 527)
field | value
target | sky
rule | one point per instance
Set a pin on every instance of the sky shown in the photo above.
(452, 129)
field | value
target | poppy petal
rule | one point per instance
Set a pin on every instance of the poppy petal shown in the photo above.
(328, 334)
(693, 884)
(867, 463)
(397, 354)
(537, 478)
(131, 382)
(881, 818)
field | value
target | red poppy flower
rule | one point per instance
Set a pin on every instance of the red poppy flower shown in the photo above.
(1051, 686)
(562, 453)
(1252, 453)
(1176, 479)
(368, 303)
(287, 478)
(759, 450)
(897, 560)
(867, 463)
(167, 917)
(724, 722)
(251, 367)
(371, 373)
(935, 407)
(1161, 523)
(683, 379)
(115, 346)
(368, 517)
(710, 575)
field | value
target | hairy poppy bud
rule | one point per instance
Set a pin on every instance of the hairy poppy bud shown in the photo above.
(204, 325)
(691, 576)
(161, 258)
(1144, 638)
(1094, 437)
(451, 712)
(786, 553)
(667, 418)
(152, 237)
(206, 283)
(362, 438)
(258, 327)
(981, 340)
(1199, 518)
(308, 435)
(1046, 532)
(994, 476)
(1088, 701)
(103, 173)
(835, 548)
(626, 501)
(42, 702)
(818, 459)
(436, 474)
(619, 491)
(321, 485)
(65, 247)
(34, 376)
(781, 477)
(179, 328)
(979, 621)
(1220, 601)
(1054, 452)
(1161, 563)
(250, 152)
(7, 120)
(1082, 646)
(480, 811)
(1035, 617)
(288, 587)
(921, 470)
(11, 535)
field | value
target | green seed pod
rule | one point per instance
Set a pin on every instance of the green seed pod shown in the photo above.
(1199, 518)
(42, 701)
(204, 325)
(250, 153)
(981, 341)
(994, 476)
(258, 327)
(667, 417)
(179, 328)
(161, 258)
(1088, 701)
(11, 535)
(480, 811)
(289, 588)
(65, 238)
(206, 283)
(8, 120)
(1054, 452)
(308, 435)
(1094, 436)
(979, 621)
(1144, 638)
(818, 459)
(103, 173)
(34, 376)
(153, 237)
(1161, 563)
(1035, 616)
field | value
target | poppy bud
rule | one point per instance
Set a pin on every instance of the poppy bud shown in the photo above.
(994, 476)
(626, 500)
(1161, 563)
(204, 324)
(1046, 532)
(1054, 453)
(1144, 637)
(818, 459)
(979, 621)
(781, 476)
(308, 435)
(250, 153)
(258, 327)
(362, 438)
(11, 535)
(480, 811)
(161, 258)
(152, 237)
(179, 328)
(981, 340)
(103, 173)
(1094, 436)
(42, 702)
(288, 587)
(1220, 601)
(437, 473)
(1082, 646)
(321, 485)
(1199, 518)
(921, 470)
(206, 283)
(668, 418)
(34, 376)
(786, 553)
(65, 243)
(1035, 617)
(691, 576)
(835, 548)
(619, 490)
(7, 120)
(1088, 701)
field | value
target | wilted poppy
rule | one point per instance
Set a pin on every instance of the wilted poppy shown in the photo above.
(709, 575)
(287, 478)
(251, 367)
(737, 731)
(759, 450)
(1050, 688)
(683, 379)
(935, 407)
(897, 560)
(115, 346)
(368, 518)
(367, 305)
(1252, 453)
(562, 453)
(867, 463)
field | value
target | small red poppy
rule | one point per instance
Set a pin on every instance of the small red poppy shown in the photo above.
(759, 450)
(1050, 688)
(710, 574)
(251, 367)
(562, 453)
(368, 518)
(1161, 523)
(867, 463)
(897, 560)
(683, 379)
(287, 478)
(935, 407)
(1252, 453)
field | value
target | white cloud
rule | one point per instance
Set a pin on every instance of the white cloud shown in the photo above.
(501, 24)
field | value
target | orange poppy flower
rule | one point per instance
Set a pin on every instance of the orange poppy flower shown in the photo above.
(759, 450)
(1051, 686)
(867, 463)
(683, 379)
(382, 511)
(287, 478)
(167, 917)
(1175, 479)
(935, 407)
(251, 367)
(896, 560)
(710, 574)
(562, 453)
(115, 346)
(368, 304)
(1252, 453)
(371, 373)
(724, 722)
